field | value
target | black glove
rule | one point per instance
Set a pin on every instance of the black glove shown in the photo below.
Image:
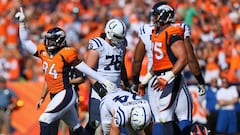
(134, 89)
(98, 87)
(77, 73)
(201, 89)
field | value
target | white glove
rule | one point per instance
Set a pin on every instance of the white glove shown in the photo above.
(109, 85)
(20, 16)
(201, 89)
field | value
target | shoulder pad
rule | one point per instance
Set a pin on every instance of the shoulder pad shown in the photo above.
(141, 30)
(69, 53)
(95, 43)
(68, 50)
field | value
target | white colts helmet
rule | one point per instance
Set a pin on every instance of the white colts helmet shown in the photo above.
(115, 30)
(140, 118)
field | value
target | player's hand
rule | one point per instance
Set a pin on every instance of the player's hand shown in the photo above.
(109, 86)
(141, 89)
(201, 89)
(161, 82)
(39, 103)
(20, 15)
(134, 89)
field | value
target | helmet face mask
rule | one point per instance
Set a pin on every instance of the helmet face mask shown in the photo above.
(115, 31)
(54, 39)
(140, 118)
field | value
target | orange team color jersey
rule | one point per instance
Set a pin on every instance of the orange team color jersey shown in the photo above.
(163, 57)
(57, 67)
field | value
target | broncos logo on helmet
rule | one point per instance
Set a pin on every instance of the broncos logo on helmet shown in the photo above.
(163, 14)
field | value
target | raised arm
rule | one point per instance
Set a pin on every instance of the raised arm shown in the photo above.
(27, 44)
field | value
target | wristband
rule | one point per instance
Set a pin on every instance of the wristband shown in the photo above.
(126, 83)
(168, 75)
(200, 79)
(99, 89)
(135, 79)
(146, 78)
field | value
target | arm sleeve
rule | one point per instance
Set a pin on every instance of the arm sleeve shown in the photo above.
(27, 44)
(83, 67)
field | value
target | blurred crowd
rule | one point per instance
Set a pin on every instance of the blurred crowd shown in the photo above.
(215, 29)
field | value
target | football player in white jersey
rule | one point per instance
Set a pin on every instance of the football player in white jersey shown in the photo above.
(122, 109)
(144, 46)
(106, 56)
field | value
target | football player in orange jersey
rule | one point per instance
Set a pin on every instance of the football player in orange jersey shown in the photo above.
(144, 46)
(169, 59)
(57, 60)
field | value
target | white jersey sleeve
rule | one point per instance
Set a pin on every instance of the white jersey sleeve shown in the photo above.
(27, 44)
(95, 43)
(145, 33)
